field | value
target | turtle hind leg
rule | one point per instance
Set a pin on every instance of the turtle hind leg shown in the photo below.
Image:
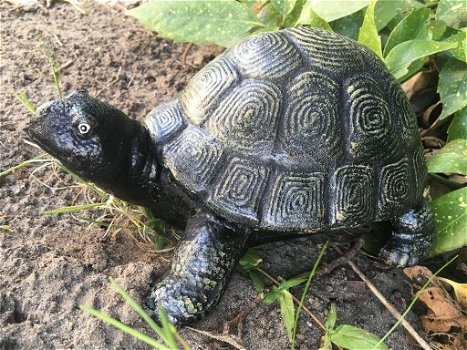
(201, 267)
(412, 236)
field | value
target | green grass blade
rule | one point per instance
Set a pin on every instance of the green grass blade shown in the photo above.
(427, 283)
(124, 327)
(159, 331)
(72, 208)
(56, 76)
(6, 228)
(99, 223)
(21, 96)
(168, 328)
(38, 159)
(77, 178)
(305, 291)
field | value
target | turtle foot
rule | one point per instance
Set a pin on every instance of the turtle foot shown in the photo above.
(180, 309)
(395, 254)
(412, 237)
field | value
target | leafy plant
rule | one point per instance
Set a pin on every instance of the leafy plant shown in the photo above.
(450, 218)
(347, 336)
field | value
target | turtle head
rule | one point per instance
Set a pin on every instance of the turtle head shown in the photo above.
(93, 139)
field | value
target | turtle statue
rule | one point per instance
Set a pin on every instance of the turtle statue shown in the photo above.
(290, 132)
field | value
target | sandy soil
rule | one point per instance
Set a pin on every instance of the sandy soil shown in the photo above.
(51, 264)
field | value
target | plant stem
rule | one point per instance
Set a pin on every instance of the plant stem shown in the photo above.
(446, 182)
(305, 291)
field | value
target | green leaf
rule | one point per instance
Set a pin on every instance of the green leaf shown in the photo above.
(400, 57)
(350, 25)
(351, 337)
(287, 312)
(385, 10)
(436, 29)
(458, 127)
(332, 317)
(284, 6)
(413, 68)
(197, 21)
(275, 292)
(272, 296)
(327, 345)
(453, 12)
(317, 22)
(331, 10)
(368, 34)
(269, 16)
(459, 52)
(450, 213)
(250, 260)
(452, 158)
(291, 19)
(257, 281)
(295, 281)
(413, 26)
(452, 86)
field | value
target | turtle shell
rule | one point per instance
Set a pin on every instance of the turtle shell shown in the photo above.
(296, 130)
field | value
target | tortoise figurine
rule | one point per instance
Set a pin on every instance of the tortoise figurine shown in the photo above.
(290, 132)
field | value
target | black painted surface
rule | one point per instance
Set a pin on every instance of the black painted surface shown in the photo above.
(293, 132)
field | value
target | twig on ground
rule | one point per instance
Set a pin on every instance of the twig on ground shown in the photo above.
(185, 53)
(392, 310)
(65, 65)
(231, 340)
(113, 81)
(238, 320)
(328, 268)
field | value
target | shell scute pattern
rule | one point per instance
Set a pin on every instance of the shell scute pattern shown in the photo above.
(206, 88)
(266, 55)
(165, 121)
(295, 146)
(296, 201)
(247, 116)
(326, 50)
(402, 111)
(192, 157)
(239, 190)
(311, 120)
(395, 188)
(420, 171)
(371, 122)
(353, 195)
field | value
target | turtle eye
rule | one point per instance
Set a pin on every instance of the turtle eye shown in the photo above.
(83, 128)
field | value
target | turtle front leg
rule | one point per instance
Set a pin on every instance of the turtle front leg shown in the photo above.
(200, 270)
(412, 237)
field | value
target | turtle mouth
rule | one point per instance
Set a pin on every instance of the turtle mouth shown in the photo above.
(39, 128)
(36, 125)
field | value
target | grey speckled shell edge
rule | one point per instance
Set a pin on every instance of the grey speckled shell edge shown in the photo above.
(297, 130)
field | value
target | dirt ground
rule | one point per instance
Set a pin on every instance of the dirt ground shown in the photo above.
(51, 264)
